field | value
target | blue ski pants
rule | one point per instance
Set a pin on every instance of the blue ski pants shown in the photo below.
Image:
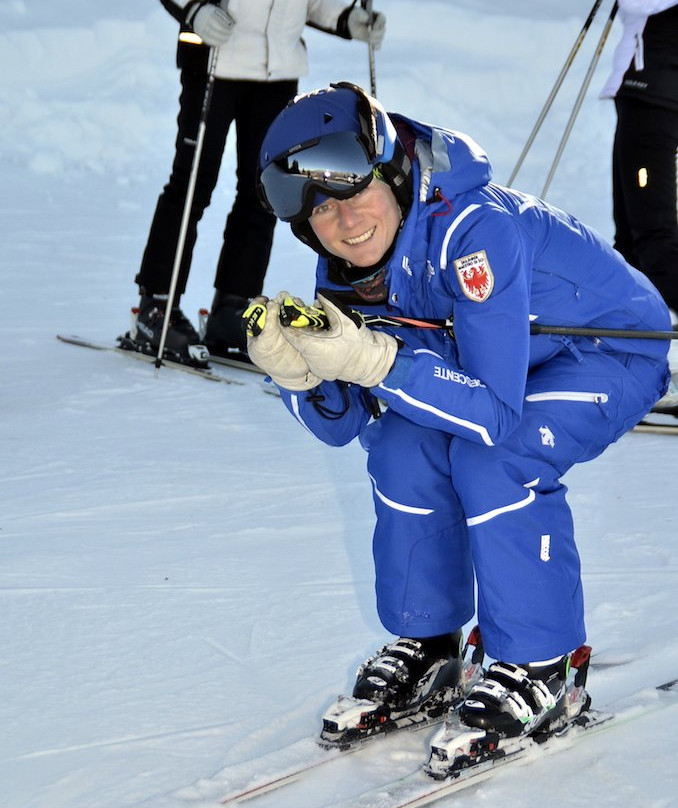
(451, 512)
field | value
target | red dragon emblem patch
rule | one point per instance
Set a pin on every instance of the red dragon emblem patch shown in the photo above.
(475, 276)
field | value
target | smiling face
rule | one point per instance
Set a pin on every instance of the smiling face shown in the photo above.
(359, 229)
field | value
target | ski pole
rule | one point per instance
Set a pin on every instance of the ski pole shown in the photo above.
(580, 97)
(367, 5)
(296, 315)
(188, 203)
(535, 328)
(554, 90)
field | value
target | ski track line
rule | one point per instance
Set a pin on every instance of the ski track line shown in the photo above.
(196, 732)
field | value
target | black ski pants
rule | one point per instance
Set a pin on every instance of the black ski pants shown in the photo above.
(248, 235)
(644, 192)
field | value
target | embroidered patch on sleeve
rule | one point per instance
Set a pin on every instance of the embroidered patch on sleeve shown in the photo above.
(475, 276)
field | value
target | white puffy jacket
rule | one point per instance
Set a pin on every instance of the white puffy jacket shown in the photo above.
(267, 44)
(633, 15)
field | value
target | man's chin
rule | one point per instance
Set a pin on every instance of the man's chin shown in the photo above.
(365, 259)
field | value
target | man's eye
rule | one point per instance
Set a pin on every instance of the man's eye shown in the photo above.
(321, 208)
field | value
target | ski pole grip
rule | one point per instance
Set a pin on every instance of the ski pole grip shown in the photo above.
(297, 315)
(254, 319)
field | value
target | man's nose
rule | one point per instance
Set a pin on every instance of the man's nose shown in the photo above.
(347, 213)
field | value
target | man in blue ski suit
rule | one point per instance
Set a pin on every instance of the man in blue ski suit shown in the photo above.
(479, 424)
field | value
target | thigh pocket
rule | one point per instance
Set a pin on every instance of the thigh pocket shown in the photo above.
(572, 425)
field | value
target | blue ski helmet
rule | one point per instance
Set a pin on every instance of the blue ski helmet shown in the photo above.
(329, 143)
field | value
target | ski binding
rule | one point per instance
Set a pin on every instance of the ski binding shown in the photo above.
(351, 721)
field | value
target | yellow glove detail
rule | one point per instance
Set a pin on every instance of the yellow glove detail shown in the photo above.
(345, 350)
(269, 350)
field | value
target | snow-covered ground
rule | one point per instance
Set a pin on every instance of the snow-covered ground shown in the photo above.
(185, 575)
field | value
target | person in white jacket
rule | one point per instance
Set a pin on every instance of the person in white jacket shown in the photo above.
(644, 85)
(261, 56)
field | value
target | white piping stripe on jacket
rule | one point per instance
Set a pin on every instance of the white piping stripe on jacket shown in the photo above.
(450, 230)
(445, 416)
(515, 506)
(294, 400)
(397, 506)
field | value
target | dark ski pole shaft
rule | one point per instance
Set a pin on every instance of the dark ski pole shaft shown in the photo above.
(535, 328)
(300, 316)
(367, 5)
(580, 98)
(554, 91)
(188, 203)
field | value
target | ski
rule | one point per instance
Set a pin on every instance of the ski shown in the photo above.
(242, 364)
(659, 422)
(235, 361)
(349, 724)
(655, 428)
(253, 778)
(247, 781)
(285, 766)
(204, 373)
(663, 417)
(270, 772)
(417, 789)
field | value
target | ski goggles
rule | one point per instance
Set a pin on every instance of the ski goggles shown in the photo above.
(336, 166)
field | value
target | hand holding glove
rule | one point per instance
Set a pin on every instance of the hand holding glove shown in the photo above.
(347, 350)
(269, 350)
(358, 23)
(212, 23)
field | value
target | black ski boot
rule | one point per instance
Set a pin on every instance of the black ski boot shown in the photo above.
(407, 683)
(516, 700)
(182, 343)
(512, 705)
(407, 670)
(224, 329)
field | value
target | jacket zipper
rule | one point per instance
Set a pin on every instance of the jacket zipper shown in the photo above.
(569, 395)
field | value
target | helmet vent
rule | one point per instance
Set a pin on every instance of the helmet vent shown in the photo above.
(327, 117)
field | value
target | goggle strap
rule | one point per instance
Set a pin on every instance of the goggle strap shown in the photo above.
(366, 115)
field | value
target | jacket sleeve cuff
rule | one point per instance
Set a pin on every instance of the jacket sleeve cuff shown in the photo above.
(400, 373)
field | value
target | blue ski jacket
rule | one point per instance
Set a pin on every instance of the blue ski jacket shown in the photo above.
(494, 260)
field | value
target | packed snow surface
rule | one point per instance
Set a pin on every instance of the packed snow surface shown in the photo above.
(185, 574)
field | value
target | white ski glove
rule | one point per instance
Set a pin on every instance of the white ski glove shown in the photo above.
(213, 24)
(358, 26)
(347, 351)
(270, 351)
